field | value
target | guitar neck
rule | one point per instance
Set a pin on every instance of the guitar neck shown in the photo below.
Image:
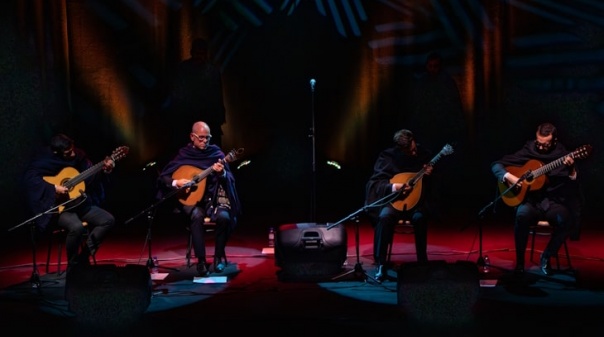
(422, 172)
(118, 153)
(419, 175)
(84, 175)
(550, 166)
(203, 174)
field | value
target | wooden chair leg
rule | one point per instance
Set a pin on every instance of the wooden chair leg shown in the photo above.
(48, 254)
(533, 233)
(189, 250)
(570, 266)
(56, 233)
(389, 255)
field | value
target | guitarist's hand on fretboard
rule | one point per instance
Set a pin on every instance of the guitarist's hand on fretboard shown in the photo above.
(570, 162)
(218, 167)
(428, 169)
(108, 165)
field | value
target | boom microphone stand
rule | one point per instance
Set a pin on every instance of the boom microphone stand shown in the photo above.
(150, 212)
(35, 275)
(358, 270)
(481, 260)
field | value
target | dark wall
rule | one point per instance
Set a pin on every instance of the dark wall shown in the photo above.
(514, 69)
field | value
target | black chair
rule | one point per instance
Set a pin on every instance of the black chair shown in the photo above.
(402, 227)
(60, 234)
(543, 228)
(209, 227)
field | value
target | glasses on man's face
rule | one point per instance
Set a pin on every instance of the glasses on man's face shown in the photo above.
(200, 138)
(542, 146)
(68, 153)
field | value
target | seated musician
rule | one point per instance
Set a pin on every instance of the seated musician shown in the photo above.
(403, 157)
(213, 196)
(45, 181)
(550, 197)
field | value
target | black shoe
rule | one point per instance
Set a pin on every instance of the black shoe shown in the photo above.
(202, 269)
(380, 273)
(545, 266)
(219, 264)
(519, 270)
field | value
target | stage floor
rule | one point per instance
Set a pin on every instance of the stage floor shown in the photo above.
(251, 295)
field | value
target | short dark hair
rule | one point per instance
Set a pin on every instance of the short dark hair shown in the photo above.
(403, 138)
(546, 129)
(60, 143)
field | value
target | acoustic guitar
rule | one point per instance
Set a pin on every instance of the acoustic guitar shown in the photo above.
(534, 173)
(70, 177)
(408, 199)
(191, 195)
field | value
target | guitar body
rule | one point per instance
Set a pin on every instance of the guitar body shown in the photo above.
(406, 201)
(535, 172)
(60, 179)
(192, 195)
(515, 196)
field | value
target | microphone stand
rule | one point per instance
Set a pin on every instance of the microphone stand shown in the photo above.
(313, 201)
(150, 212)
(481, 261)
(35, 275)
(358, 270)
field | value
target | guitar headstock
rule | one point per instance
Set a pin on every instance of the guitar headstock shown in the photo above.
(582, 152)
(447, 150)
(119, 153)
(232, 155)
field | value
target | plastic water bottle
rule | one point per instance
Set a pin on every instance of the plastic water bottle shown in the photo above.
(271, 237)
(486, 267)
(155, 267)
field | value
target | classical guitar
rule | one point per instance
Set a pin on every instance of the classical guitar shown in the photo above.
(194, 193)
(534, 172)
(70, 177)
(407, 200)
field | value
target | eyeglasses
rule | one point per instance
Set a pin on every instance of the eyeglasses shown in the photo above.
(68, 153)
(200, 138)
(543, 146)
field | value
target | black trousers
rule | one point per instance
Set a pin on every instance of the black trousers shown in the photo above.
(528, 214)
(384, 232)
(224, 225)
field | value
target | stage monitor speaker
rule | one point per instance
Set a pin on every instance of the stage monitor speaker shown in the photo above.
(107, 295)
(310, 251)
(439, 293)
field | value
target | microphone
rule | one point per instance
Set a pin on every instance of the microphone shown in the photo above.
(149, 165)
(312, 84)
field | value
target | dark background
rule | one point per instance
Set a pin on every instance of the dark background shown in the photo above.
(99, 71)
